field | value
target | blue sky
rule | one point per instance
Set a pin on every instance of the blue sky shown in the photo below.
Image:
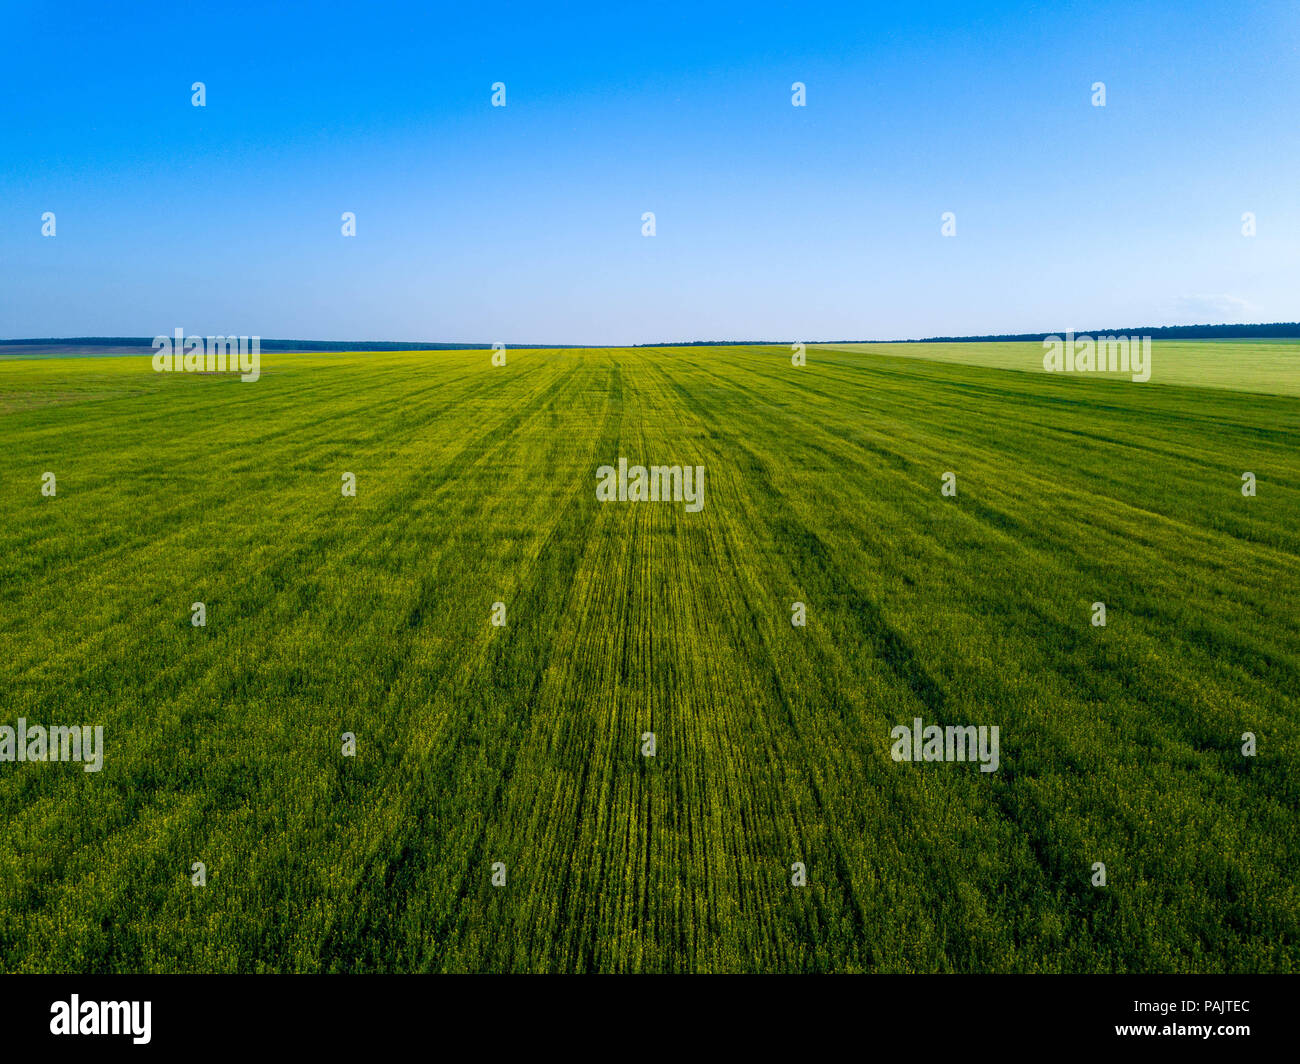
(523, 224)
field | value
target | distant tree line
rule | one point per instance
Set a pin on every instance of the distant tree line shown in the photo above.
(1279, 329)
(146, 343)
(1274, 330)
(1285, 329)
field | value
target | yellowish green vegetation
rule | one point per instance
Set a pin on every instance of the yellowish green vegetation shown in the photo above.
(522, 745)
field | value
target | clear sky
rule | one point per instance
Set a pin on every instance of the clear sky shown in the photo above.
(523, 223)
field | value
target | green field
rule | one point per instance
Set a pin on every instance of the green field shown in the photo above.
(1271, 366)
(522, 744)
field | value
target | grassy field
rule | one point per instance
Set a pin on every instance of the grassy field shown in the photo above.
(1271, 366)
(522, 744)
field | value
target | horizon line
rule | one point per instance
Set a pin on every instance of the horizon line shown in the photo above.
(1244, 330)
